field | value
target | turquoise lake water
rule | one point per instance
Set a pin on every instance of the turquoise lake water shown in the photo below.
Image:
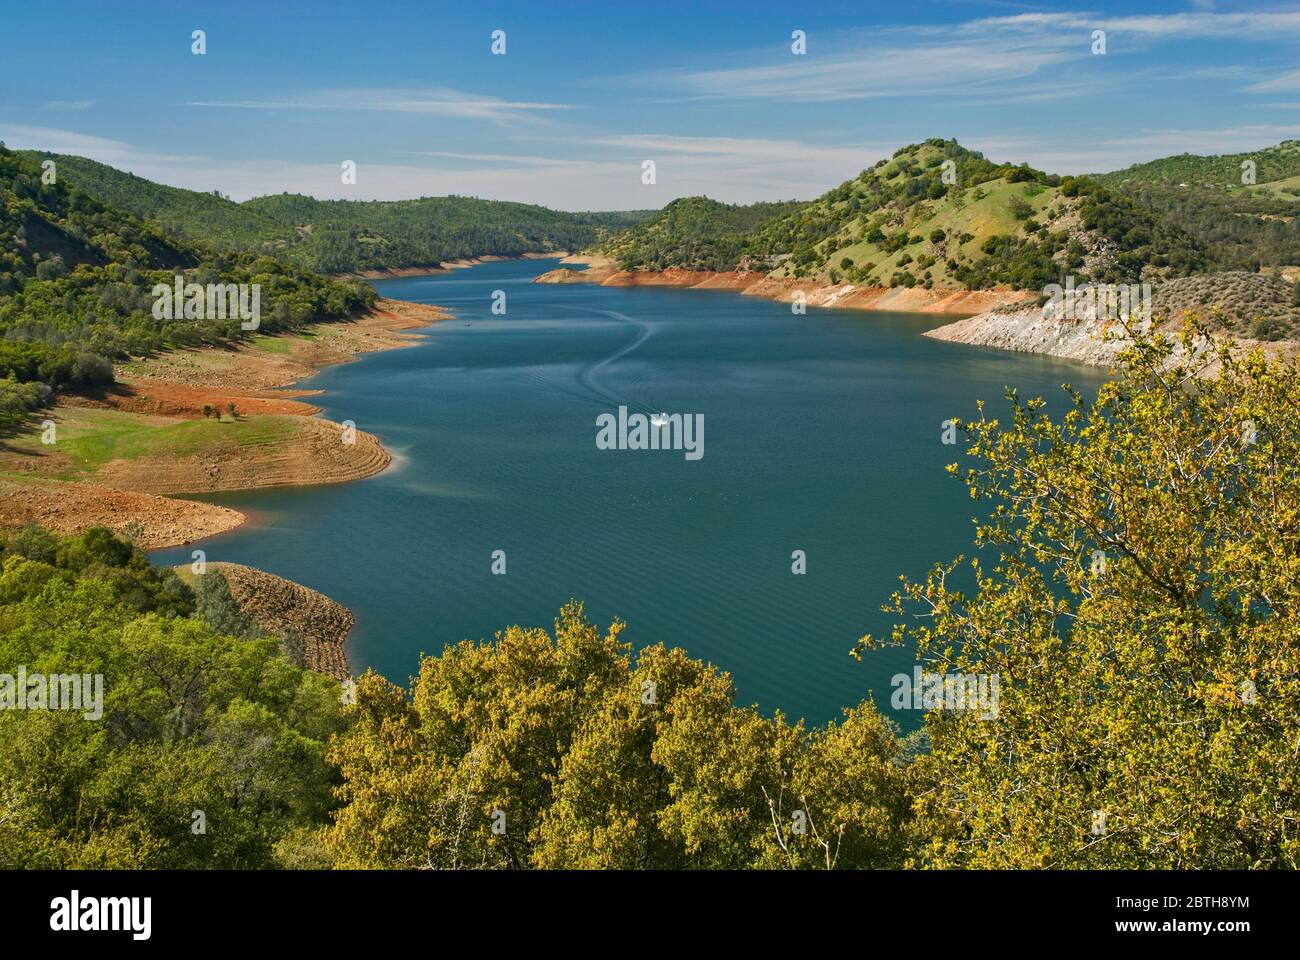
(821, 434)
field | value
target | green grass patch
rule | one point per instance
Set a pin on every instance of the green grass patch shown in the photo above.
(92, 438)
(281, 344)
(271, 344)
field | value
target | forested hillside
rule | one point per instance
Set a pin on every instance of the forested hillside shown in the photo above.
(1244, 207)
(198, 719)
(1225, 170)
(76, 281)
(940, 216)
(344, 236)
(695, 233)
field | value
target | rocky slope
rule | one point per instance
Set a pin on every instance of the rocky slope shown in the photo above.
(154, 522)
(1089, 339)
(281, 606)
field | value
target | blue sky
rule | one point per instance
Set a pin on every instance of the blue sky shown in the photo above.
(585, 92)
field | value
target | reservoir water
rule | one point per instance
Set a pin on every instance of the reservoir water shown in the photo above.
(822, 434)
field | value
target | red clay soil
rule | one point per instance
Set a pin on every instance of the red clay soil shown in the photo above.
(164, 399)
(155, 521)
(815, 292)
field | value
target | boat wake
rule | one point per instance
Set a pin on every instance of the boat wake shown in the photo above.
(592, 379)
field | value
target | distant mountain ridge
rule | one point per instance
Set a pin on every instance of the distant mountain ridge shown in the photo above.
(1244, 207)
(1279, 162)
(344, 236)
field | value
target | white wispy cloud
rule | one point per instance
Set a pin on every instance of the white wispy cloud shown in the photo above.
(1285, 81)
(68, 104)
(1104, 154)
(439, 102)
(594, 173)
(920, 70)
(982, 57)
(116, 153)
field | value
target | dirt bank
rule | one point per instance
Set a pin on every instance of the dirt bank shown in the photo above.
(155, 522)
(281, 606)
(262, 368)
(815, 293)
(283, 452)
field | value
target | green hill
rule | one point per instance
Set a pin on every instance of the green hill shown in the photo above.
(188, 214)
(935, 215)
(1187, 169)
(695, 233)
(47, 228)
(343, 236)
(76, 288)
(346, 235)
(1242, 226)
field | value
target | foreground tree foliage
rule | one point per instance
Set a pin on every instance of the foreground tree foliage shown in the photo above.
(193, 720)
(1143, 616)
(569, 752)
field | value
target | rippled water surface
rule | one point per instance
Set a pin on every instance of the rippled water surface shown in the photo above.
(822, 434)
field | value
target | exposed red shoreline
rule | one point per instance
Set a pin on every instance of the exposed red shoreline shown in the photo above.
(816, 293)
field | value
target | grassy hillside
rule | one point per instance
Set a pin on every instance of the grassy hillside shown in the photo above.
(935, 215)
(47, 228)
(188, 214)
(341, 236)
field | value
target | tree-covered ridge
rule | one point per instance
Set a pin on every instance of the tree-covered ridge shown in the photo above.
(76, 289)
(696, 233)
(1243, 228)
(191, 215)
(47, 227)
(1279, 162)
(1244, 207)
(345, 236)
(940, 216)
